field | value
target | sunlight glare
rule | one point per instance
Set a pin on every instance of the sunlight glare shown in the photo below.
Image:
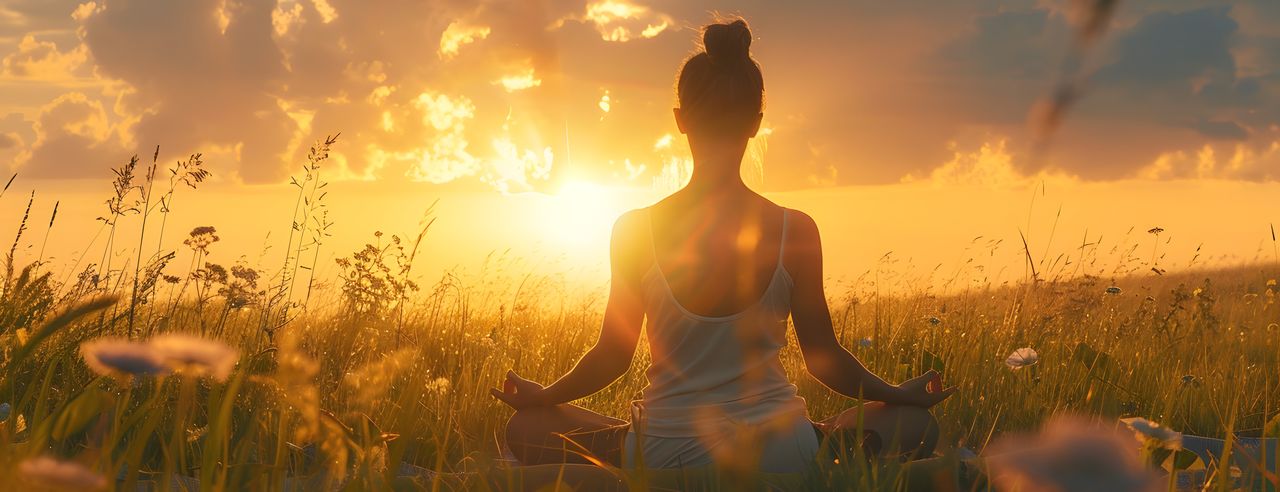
(583, 213)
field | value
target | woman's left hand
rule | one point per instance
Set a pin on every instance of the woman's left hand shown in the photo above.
(923, 391)
(520, 393)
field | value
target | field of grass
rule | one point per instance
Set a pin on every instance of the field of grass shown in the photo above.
(339, 386)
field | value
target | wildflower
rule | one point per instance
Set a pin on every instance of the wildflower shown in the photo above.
(195, 354)
(49, 473)
(1069, 454)
(1113, 290)
(195, 434)
(1190, 380)
(439, 386)
(1021, 358)
(865, 342)
(122, 358)
(1271, 283)
(933, 320)
(1155, 230)
(1148, 431)
(201, 238)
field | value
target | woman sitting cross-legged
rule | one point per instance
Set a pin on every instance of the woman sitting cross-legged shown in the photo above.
(714, 271)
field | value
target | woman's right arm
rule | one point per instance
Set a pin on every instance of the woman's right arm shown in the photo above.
(825, 359)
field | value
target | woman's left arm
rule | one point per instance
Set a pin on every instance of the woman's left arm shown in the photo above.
(611, 356)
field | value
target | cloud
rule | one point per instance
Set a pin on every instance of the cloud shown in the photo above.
(1017, 44)
(73, 138)
(48, 17)
(514, 169)
(207, 75)
(622, 21)
(1166, 79)
(10, 141)
(458, 34)
(1239, 161)
(991, 166)
(523, 93)
(1174, 49)
(520, 81)
(41, 60)
(448, 158)
(1219, 129)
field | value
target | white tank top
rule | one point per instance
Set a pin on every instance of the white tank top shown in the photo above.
(709, 370)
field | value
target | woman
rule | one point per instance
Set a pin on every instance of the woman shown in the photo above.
(715, 268)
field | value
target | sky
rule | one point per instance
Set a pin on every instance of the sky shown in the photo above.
(492, 106)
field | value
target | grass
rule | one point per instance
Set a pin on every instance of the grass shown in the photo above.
(341, 385)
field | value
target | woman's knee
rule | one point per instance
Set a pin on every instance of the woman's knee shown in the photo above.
(888, 429)
(528, 422)
(914, 429)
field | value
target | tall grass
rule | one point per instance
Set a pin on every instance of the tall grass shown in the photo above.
(384, 374)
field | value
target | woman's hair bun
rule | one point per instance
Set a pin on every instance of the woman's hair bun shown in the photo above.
(727, 44)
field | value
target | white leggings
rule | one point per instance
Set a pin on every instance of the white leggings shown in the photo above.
(788, 450)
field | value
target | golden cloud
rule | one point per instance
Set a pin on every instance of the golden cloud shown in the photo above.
(1237, 161)
(447, 158)
(621, 21)
(458, 34)
(991, 166)
(520, 81)
(513, 169)
(41, 60)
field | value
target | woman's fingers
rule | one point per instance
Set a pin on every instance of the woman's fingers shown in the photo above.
(517, 391)
(922, 381)
(503, 396)
(521, 384)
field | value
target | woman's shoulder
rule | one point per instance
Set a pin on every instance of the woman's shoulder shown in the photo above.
(799, 223)
(802, 242)
(631, 222)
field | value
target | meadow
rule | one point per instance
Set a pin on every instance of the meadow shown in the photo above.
(173, 370)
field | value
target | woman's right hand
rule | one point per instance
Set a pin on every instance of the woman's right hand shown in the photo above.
(923, 391)
(520, 393)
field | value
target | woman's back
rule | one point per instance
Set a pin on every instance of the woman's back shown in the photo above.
(713, 366)
(718, 256)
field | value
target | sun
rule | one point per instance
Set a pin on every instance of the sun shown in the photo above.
(582, 213)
